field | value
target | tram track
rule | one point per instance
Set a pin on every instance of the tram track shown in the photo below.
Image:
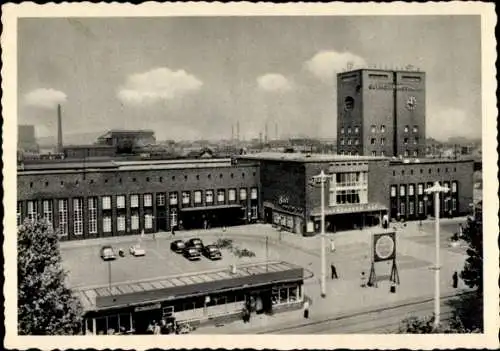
(381, 320)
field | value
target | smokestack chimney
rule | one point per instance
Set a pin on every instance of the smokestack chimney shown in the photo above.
(232, 132)
(59, 130)
(238, 130)
(265, 134)
(276, 130)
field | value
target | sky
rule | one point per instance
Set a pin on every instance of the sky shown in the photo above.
(194, 77)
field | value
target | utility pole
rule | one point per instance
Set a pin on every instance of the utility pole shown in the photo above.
(436, 190)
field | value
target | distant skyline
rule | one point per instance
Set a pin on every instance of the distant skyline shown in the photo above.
(193, 77)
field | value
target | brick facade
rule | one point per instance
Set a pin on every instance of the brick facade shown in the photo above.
(99, 183)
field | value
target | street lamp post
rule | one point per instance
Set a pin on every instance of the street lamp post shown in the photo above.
(321, 180)
(436, 190)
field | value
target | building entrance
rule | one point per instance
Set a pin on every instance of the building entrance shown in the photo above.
(211, 218)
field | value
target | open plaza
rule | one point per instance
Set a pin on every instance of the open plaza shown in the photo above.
(414, 259)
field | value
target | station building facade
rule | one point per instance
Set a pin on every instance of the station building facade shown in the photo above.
(359, 190)
(104, 199)
(120, 198)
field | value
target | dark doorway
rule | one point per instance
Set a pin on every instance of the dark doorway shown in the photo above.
(144, 318)
(211, 218)
(161, 221)
(268, 215)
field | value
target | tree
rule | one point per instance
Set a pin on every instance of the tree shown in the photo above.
(45, 305)
(472, 275)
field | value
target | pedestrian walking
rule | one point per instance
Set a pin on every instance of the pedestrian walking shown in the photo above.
(173, 231)
(332, 246)
(363, 280)
(455, 279)
(306, 309)
(334, 271)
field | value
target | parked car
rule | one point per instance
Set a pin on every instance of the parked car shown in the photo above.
(212, 252)
(177, 246)
(137, 250)
(192, 253)
(108, 253)
(195, 242)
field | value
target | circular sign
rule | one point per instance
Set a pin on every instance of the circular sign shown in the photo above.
(384, 248)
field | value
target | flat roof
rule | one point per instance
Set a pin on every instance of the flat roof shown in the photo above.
(300, 157)
(399, 162)
(47, 167)
(185, 285)
(414, 70)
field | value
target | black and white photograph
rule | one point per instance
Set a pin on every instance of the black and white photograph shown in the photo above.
(197, 174)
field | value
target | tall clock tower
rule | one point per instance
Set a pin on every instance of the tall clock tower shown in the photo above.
(381, 113)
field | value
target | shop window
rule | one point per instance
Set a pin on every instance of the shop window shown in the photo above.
(78, 216)
(420, 189)
(160, 199)
(221, 196)
(253, 194)
(120, 223)
(197, 197)
(402, 190)
(186, 198)
(63, 217)
(120, 201)
(134, 201)
(48, 211)
(243, 194)
(231, 195)
(172, 198)
(32, 211)
(148, 221)
(209, 196)
(134, 221)
(411, 208)
(148, 200)
(106, 224)
(420, 207)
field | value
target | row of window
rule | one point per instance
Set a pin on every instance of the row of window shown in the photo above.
(374, 129)
(148, 179)
(403, 210)
(438, 170)
(420, 188)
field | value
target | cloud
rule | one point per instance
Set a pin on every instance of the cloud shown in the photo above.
(326, 64)
(157, 84)
(45, 98)
(443, 124)
(272, 82)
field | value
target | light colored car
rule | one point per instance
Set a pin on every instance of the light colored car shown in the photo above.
(108, 253)
(136, 250)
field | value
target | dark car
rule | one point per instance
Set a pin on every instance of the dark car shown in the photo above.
(212, 252)
(108, 253)
(196, 242)
(191, 253)
(177, 246)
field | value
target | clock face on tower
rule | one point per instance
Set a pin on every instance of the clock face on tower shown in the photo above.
(411, 103)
